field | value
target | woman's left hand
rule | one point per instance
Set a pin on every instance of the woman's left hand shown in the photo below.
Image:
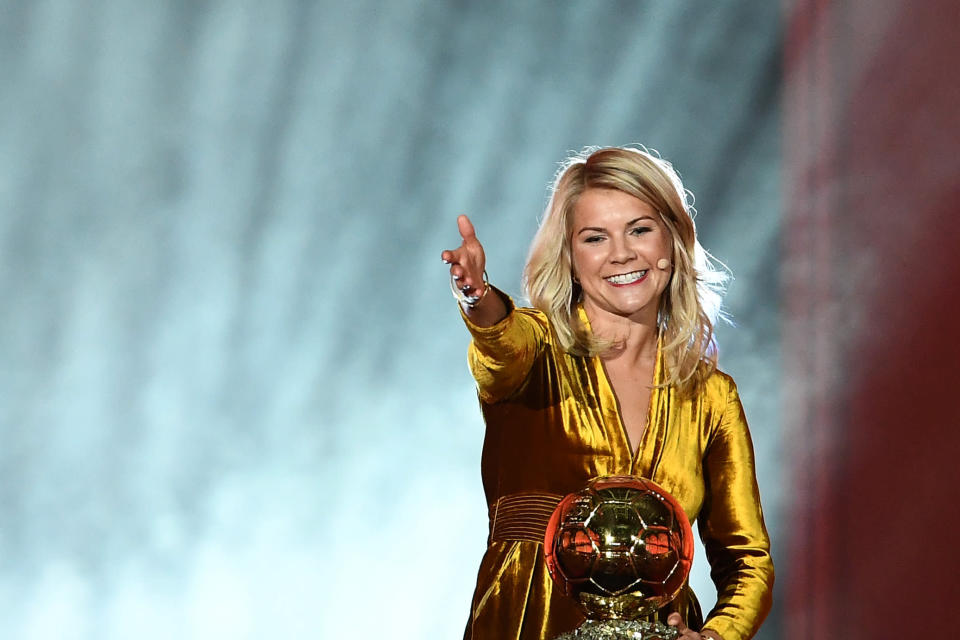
(686, 633)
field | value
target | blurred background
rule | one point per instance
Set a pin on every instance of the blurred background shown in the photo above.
(234, 401)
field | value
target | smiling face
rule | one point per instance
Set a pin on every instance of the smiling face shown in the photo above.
(617, 241)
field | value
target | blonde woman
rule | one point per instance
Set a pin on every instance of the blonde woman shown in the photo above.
(611, 372)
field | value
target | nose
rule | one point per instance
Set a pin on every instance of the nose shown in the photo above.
(620, 251)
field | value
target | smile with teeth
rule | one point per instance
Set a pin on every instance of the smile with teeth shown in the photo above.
(627, 278)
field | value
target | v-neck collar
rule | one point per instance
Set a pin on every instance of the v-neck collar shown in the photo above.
(642, 459)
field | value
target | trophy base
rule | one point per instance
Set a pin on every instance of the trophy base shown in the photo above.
(621, 630)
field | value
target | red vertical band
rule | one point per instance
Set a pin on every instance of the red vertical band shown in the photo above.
(871, 281)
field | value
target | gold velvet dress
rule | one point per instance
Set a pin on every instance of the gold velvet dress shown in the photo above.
(552, 423)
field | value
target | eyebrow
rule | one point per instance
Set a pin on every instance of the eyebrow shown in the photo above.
(632, 222)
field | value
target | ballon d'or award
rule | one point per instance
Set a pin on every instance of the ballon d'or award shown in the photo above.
(622, 548)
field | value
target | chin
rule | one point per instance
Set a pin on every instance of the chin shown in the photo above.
(630, 310)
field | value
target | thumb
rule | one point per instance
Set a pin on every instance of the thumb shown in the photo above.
(676, 620)
(465, 227)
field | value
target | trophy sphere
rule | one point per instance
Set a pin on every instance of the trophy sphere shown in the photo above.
(621, 547)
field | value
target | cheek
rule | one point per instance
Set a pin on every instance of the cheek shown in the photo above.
(666, 246)
(584, 259)
(663, 287)
(665, 284)
(578, 262)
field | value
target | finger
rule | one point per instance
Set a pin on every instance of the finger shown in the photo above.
(464, 281)
(453, 256)
(466, 285)
(466, 228)
(676, 620)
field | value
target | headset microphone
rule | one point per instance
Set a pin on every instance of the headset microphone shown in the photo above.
(663, 263)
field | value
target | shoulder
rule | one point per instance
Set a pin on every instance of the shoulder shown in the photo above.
(719, 389)
(721, 380)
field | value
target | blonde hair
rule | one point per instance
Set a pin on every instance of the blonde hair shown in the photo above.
(688, 307)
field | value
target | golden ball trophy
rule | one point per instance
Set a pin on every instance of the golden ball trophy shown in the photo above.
(622, 548)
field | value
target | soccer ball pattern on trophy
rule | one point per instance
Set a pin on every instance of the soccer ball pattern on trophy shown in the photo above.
(622, 547)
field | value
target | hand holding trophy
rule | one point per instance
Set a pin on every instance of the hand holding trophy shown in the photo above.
(622, 548)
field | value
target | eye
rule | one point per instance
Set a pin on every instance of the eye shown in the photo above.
(593, 239)
(639, 231)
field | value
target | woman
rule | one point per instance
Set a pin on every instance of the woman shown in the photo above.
(612, 372)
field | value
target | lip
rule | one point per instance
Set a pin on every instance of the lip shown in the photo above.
(629, 284)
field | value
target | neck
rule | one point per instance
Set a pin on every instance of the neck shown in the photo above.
(635, 338)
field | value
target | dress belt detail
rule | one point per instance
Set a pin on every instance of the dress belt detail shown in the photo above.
(522, 516)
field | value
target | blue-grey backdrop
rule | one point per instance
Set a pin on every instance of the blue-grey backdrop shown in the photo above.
(233, 394)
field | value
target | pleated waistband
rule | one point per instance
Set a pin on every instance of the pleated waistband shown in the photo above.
(522, 516)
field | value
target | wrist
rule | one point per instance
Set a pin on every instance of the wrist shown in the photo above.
(480, 293)
(473, 300)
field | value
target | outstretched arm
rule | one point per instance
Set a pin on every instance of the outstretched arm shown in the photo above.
(506, 340)
(467, 263)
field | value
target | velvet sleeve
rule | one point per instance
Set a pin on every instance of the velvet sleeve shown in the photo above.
(501, 356)
(732, 528)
